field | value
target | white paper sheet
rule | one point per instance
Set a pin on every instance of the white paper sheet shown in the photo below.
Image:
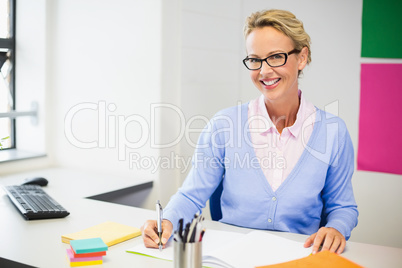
(229, 249)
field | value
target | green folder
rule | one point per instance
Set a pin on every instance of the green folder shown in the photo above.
(381, 29)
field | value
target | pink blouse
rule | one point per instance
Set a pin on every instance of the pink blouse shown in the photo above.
(278, 153)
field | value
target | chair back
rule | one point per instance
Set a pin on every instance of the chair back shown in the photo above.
(215, 203)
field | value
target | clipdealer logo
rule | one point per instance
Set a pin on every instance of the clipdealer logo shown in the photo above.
(112, 132)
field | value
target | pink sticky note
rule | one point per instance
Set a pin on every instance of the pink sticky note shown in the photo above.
(73, 259)
(380, 124)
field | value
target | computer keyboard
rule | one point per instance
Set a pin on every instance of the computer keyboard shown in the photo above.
(34, 203)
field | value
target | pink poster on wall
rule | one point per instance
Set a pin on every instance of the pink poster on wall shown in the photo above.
(380, 123)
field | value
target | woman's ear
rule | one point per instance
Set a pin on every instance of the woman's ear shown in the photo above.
(303, 57)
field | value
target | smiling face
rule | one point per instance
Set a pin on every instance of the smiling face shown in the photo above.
(279, 83)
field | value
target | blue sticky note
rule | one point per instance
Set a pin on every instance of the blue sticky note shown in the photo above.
(88, 245)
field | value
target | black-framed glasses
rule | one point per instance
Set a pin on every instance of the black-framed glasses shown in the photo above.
(275, 60)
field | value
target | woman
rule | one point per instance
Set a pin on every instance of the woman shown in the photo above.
(285, 165)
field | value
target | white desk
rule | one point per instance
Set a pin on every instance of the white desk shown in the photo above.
(38, 243)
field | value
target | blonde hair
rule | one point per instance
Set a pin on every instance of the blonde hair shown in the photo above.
(283, 21)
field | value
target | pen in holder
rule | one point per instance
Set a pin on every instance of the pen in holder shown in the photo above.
(187, 255)
(187, 244)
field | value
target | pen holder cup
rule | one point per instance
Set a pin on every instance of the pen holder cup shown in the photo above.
(187, 255)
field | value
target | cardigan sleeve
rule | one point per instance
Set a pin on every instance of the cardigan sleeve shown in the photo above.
(340, 207)
(204, 177)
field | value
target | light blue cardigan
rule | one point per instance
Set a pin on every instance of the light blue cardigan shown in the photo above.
(318, 188)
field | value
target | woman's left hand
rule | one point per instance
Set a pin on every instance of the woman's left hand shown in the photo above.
(329, 238)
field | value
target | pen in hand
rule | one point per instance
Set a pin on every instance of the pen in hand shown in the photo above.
(159, 218)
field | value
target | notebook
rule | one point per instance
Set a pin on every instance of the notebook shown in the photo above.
(110, 232)
(229, 249)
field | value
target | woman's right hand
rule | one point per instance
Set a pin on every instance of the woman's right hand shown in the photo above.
(150, 233)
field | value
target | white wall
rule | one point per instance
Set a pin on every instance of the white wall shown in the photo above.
(210, 46)
(104, 72)
(136, 53)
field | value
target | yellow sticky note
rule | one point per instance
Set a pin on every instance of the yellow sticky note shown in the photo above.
(110, 232)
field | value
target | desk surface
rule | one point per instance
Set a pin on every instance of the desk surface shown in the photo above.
(38, 243)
